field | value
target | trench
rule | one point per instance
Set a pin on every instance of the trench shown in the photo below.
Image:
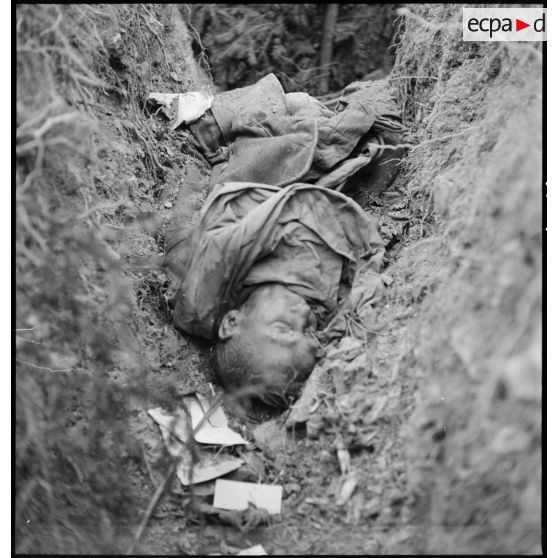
(442, 423)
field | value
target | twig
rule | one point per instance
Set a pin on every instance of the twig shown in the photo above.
(28, 340)
(33, 120)
(413, 146)
(154, 159)
(308, 70)
(170, 472)
(203, 61)
(27, 182)
(42, 50)
(414, 77)
(99, 13)
(95, 83)
(23, 218)
(445, 26)
(147, 466)
(153, 32)
(80, 91)
(59, 140)
(70, 52)
(55, 120)
(53, 26)
(44, 367)
(23, 250)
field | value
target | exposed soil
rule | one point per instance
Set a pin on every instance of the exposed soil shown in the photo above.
(442, 423)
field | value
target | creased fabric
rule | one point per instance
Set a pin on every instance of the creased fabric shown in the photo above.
(261, 134)
(276, 213)
(242, 224)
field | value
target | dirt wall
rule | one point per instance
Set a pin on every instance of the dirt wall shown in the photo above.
(95, 174)
(244, 42)
(474, 441)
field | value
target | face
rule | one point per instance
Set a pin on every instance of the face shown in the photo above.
(280, 325)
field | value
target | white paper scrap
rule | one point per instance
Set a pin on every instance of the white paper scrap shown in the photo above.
(237, 495)
(209, 468)
(174, 429)
(164, 99)
(257, 550)
(191, 107)
(217, 418)
(214, 430)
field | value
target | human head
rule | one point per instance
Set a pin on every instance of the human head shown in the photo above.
(268, 345)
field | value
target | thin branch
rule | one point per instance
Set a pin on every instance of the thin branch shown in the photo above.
(413, 146)
(414, 77)
(54, 121)
(444, 26)
(27, 340)
(46, 367)
(170, 472)
(53, 26)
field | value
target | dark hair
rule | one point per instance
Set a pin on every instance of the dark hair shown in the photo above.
(235, 364)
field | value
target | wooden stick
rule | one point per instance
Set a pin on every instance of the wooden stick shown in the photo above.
(170, 472)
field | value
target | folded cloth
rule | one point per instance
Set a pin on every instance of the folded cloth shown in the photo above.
(342, 137)
(275, 213)
(277, 151)
(260, 134)
(247, 105)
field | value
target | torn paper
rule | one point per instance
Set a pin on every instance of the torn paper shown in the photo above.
(184, 107)
(191, 107)
(174, 430)
(208, 468)
(215, 429)
(257, 550)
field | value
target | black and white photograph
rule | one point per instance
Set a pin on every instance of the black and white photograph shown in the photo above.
(278, 279)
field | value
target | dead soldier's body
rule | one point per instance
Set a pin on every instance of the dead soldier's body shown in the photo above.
(281, 256)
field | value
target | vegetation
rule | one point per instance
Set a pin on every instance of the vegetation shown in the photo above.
(79, 360)
(244, 42)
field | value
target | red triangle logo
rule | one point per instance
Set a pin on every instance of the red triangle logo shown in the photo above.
(519, 25)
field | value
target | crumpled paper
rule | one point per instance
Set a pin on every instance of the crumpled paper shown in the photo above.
(175, 430)
(184, 107)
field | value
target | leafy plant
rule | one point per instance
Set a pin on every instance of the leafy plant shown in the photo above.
(245, 42)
